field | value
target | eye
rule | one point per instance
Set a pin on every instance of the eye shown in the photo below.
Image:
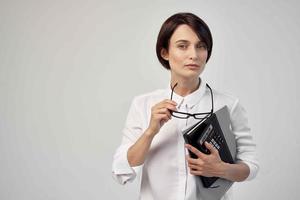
(182, 46)
(202, 46)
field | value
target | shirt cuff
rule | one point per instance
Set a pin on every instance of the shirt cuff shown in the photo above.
(122, 171)
(253, 169)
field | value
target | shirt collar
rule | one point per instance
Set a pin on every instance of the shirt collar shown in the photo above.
(191, 99)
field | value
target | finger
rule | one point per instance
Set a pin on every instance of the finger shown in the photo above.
(163, 117)
(190, 160)
(171, 107)
(196, 172)
(211, 148)
(194, 161)
(168, 106)
(194, 150)
(164, 111)
(170, 101)
(193, 167)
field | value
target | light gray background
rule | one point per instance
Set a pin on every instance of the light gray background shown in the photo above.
(69, 70)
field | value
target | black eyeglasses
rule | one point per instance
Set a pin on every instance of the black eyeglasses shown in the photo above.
(184, 115)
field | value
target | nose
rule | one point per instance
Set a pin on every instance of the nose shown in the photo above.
(193, 53)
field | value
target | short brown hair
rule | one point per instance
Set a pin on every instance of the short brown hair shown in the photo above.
(169, 26)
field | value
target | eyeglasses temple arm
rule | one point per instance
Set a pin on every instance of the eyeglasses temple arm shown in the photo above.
(212, 98)
(173, 90)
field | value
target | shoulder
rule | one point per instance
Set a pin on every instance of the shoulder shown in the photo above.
(237, 112)
(222, 98)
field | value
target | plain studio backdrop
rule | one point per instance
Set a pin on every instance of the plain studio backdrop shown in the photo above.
(69, 70)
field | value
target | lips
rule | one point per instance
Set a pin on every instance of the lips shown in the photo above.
(192, 65)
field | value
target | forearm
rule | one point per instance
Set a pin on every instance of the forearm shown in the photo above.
(137, 152)
(235, 172)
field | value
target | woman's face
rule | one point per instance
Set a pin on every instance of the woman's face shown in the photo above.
(186, 55)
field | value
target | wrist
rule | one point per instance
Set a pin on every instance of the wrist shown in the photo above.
(224, 170)
(150, 133)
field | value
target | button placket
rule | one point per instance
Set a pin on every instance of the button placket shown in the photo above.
(182, 175)
(187, 110)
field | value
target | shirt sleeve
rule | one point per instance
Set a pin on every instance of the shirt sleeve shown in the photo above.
(122, 172)
(246, 148)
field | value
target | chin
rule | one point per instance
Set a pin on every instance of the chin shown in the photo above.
(186, 73)
(193, 71)
(191, 74)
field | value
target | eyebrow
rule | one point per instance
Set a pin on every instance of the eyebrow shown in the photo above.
(186, 41)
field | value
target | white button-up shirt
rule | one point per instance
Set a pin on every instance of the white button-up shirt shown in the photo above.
(165, 174)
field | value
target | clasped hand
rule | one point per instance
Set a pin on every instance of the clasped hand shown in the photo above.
(160, 114)
(205, 165)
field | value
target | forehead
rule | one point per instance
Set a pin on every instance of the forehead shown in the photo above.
(184, 32)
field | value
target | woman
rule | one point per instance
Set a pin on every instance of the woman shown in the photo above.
(152, 138)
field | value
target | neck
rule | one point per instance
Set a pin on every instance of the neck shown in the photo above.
(185, 86)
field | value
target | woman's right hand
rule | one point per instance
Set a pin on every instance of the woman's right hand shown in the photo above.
(160, 114)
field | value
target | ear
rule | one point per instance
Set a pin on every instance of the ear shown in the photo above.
(164, 54)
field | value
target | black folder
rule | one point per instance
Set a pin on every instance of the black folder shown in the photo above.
(215, 129)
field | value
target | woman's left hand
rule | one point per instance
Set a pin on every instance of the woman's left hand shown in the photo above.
(206, 165)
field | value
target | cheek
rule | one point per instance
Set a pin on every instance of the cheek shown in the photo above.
(177, 57)
(203, 56)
